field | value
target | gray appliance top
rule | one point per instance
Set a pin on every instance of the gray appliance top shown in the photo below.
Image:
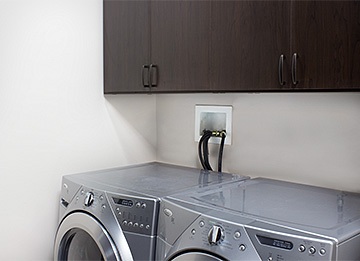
(317, 210)
(151, 179)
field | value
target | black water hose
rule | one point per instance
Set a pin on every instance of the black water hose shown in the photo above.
(200, 152)
(206, 150)
(201, 157)
(221, 150)
(203, 149)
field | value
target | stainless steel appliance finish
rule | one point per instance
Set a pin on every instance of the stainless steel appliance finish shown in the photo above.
(113, 214)
(261, 219)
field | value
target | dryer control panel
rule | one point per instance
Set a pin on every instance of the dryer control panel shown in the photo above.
(242, 240)
(220, 239)
(223, 238)
(277, 245)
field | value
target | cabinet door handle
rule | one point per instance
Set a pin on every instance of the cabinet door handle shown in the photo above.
(293, 69)
(143, 76)
(151, 75)
(281, 70)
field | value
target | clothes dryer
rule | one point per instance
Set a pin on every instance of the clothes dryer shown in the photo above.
(113, 214)
(260, 219)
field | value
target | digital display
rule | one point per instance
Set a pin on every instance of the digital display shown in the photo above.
(123, 202)
(275, 242)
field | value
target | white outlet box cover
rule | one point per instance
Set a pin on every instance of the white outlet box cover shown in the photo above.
(213, 118)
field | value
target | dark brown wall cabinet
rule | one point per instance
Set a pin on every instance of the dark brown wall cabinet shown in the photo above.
(326, 37)
(247, 38)
(220, 46)
(126, 45)
(174, 57)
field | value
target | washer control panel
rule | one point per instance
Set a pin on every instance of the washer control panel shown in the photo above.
(90, 200)
(135, 214)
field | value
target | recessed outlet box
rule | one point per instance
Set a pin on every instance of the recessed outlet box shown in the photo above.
(213, 118)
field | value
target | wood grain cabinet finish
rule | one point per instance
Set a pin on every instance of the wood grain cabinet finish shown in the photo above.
(126, 45)
(180, 37)
(323, 35)
(231, 45)
(247, 39)
(327, 39)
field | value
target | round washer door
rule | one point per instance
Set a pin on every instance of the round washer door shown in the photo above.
(81, 237)
(196, 256)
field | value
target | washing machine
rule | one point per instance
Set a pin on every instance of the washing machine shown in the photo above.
(260, 219)
(113, 214)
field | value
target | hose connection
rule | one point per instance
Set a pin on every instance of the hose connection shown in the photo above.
(203, 149)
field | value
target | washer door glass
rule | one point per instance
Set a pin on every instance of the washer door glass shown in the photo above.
(81, 237)
(196, 256)
(77, 244)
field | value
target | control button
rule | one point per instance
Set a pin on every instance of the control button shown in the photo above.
(143, 205)
(65, 186)
(101, 197)
(202, 223)
(270, 258)
(242, 247)
(193, 231)
(237, 234)
(103, 206)
(89, 199)
(82, 192)
(136, 225)
(118, 211)
(141, 226)
(168, 212)
(147, 227)
(137, 204)
(302, 248)
(215, 235)
(130, 224)
(312, 250)
(124, 222)
(322, 251)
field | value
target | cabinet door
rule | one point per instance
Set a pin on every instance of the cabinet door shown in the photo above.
(126, 45)
(247, 39)
(180, 45)
(326, 36)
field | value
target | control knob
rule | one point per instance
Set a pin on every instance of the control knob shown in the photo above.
(89, 199)
(216, 235)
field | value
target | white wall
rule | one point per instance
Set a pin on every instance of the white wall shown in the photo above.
(311, 138)
(54, 118)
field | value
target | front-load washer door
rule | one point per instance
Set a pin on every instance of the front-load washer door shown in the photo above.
(81, 237)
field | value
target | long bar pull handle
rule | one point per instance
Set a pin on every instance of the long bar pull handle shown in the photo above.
(281, 70)
(293, 69)
(143, 76)
(151, 75)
